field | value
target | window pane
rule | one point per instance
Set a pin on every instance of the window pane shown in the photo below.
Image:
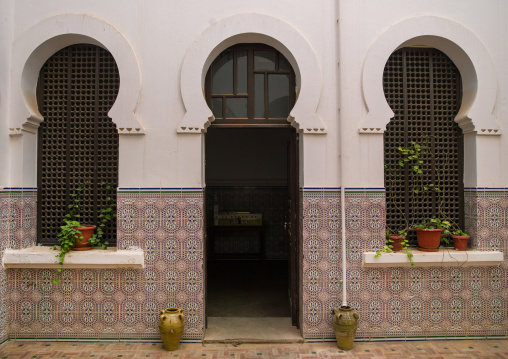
(241, 73)
(236, 108)
(283, 63)
(264, 60)
(278, 96)
(217, 107)
(259, 96)
(222, 73)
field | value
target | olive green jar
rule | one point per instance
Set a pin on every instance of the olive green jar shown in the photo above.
(171, 326)
(345, 322)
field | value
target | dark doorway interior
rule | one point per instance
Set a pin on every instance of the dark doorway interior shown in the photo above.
(248, 288)
(248, 263)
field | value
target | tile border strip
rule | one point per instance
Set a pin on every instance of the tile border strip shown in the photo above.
(160, 190)
(338, 189)
(409, 338)
(18, 190)
(485, 189)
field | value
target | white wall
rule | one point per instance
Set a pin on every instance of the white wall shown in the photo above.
(6, 26)
(361, 24)
(161, 32)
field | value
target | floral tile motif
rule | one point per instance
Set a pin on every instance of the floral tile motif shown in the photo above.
(105, 303)
(403, 302)
(124, 303)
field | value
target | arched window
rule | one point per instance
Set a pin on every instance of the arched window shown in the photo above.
(77, 142)
(250, 84)
(423, 88)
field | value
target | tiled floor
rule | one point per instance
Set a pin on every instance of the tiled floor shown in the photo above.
(463, 349)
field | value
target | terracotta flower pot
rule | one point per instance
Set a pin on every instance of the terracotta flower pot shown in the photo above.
(397, 242)
(460, 242)
(429, 239)
(82, 244)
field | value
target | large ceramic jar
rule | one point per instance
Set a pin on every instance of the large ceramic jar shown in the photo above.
(345, 322)
(171, 325)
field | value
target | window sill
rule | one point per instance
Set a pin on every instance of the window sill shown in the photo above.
(44, 257)
(442, 258)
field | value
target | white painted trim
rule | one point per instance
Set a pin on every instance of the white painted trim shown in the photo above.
(41, 41)
(251, 28)
(464, 49)
(45, 257)
(442, 258)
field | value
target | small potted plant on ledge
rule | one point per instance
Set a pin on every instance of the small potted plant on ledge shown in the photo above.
(395, 243)
(460, 239)
(76, 236)
(430, 233)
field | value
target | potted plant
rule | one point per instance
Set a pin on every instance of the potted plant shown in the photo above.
(430, 233)
(395, 243)
(460, 239)
(76, 236)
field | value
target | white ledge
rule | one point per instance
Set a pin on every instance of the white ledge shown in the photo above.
(442, 258)
(44, 257)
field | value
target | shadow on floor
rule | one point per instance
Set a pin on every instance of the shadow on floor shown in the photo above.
(247, 289)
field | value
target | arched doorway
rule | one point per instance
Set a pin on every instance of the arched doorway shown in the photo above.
(251, 195)
(77, 141)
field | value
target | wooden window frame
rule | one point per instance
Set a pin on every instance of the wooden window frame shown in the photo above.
(251, 120)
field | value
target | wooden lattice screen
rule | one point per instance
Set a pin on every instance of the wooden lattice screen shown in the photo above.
(77, 142)
(423, 88)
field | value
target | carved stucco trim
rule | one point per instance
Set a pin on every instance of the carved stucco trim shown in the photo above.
(34, 46)
(463, 48)
(251, 28)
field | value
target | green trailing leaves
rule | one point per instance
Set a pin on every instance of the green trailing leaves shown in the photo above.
(69, 231)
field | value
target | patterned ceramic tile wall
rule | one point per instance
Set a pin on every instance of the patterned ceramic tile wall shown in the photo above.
(322, 261)
(122, 303)
(18, 213)
(271, 202)
(4, 212)
(403, 302)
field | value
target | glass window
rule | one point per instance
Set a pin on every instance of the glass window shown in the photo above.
(236, 107)
(241, 71)
(222, 73)
(217, 107)
(278, 96)
(264, 60)
(250, 84)
(259, 96)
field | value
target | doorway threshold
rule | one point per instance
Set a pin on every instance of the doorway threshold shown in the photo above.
(237, 330)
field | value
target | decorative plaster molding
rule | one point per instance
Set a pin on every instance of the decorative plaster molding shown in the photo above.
(41, 41)
(131, 131)
(463, 48)
(251, 28)
(15, 132)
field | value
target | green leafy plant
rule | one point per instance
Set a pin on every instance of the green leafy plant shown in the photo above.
(412, 163)
(69, 231)
(435, 223)
(388, 247)
(460, 233)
